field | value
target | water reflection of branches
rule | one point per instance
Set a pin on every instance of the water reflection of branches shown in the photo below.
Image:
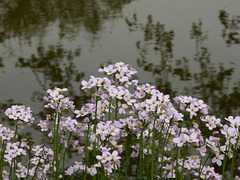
(210, 82)
(231, 31)
(197, 33)
(25, 18)
(1, 62)
(160, 41)
(55, 67)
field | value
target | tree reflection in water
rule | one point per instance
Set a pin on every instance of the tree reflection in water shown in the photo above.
(210, 83)
(231, 31)
(55, 67)
(160, 41)
(26, 18)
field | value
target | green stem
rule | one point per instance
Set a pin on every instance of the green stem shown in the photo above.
(233, 159)
(141, 155)
(202, 166)
(184, 158)
(16, 132)
(224, 162)
(94, 131)
(153, 148)
(116, 110)
(115, 177)
(109, 109)
(54, 143)
(29, 157)
(126, 155)
(2, 157)
(177, 151)
(10, 176)
(126, 162)
(65, 153)
(164, 143)
(57, 148)
(35, 173)
(95, 120)
(86, 150)
(159, 137)
(15, 168)
(148, 157)
(14, 160)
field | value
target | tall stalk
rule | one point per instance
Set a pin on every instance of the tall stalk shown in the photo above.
(94, 131)
(126, 155)
(63, 166)
(141, 155)
(13, 164)
(86, 150)
(153, 147)
(56, 146)
(202, 166)
(54, 143)
(184, 158)
(176, 170)
(2, 157)
(148, 157)
(225, 161)
(233, 159)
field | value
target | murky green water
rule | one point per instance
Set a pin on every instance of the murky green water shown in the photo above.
(183, 47)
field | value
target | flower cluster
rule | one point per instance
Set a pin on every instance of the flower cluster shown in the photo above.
(109, 160)
(20, 113)
(6, 134)
(57, 101)
(124, 124)
(12, 151)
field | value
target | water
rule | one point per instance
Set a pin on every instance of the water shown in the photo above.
(183, 47)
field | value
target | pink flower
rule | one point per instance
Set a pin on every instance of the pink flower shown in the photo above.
(217, 159)
(108, 167)
(92, 171)
(192, 109)
(115, 156)
(181, 140)
(106, 156)
(193, 138)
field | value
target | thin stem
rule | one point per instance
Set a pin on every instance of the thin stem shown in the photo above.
(224, 162)
(15, 168)
(109, 109)
(94, 131)
(148, 157)
(126, 162)
(35, 173)
(184, 158)
(86, 150)
(163, 146)
(16, 132)
(153, 148)
(116, 109)
(14, 160)
(29, 157)
(141, 156)
(177, 151)
(2, 157)
(126, 155)
(54, 146)
(65, 154)
(201, 167)
(115, 177)
(57, 148)
(233, 159)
